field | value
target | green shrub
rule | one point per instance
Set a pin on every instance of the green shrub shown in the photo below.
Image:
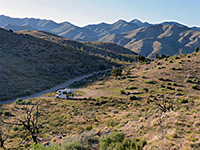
(80, 130)
(169, 88)
(194, 87)
(170, 61)
(111, 123)
(74, 145)
(116, 141)
(88, 128)
(173, 68)
(145, 89)
(141, 58)
(173, 84)
(187, 80)
(150, 82)
(122, 92)
(175, 57)
(6, 113)
(42, 147)
(133, 97)
(158, 63)
(197, 124)
(183, 101)
(20, 101)
(15, 128)
(131, 88)
(196, 49)
(160, 78)
(116, 72)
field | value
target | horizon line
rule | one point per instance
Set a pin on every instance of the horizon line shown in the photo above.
(59, 22)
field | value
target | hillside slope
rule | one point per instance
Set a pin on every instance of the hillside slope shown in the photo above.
(35, 60)
(158, 102)
(161, 39)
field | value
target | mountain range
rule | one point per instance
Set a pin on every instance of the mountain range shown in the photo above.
(141, 37)
(31, 61)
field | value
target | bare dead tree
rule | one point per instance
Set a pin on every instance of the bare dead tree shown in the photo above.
(164, 105)
(30, 122)
(4, 132)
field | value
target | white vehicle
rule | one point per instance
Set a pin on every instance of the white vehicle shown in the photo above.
(65, 93)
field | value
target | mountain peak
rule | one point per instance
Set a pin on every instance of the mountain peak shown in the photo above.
(135, 21)
(121, 21)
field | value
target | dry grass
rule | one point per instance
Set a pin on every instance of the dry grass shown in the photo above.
(100, 106)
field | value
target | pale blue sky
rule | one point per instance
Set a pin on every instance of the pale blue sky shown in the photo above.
(83, 12)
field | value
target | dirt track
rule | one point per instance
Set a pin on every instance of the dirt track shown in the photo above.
(63, 85)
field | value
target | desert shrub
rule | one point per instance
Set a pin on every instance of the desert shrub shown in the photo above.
(150, 82)
(116, 140)
(111, 123)
(6, 113)
(194, 87)
(88, 138)
(173, 68)
(196, 49)
(183, 101)
(187, 80)
(169, 88)
(116, 72)
(80, 130)
(141, 58)
(195, 146)
(73, 145)
(173, 84)
(197, 124)
(180, 124)
(145, 89)
(133, 97)
(195, 80)
(170, 61)
(160, 78)
(88, 128)
(20, 101)
(158, 63)
(175, 57)
(131, 88)
(122, 92)
(15, 128)
(115, 111)
(44, 147)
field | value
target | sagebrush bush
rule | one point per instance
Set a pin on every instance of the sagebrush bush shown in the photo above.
(160, 78)
(194, 87)
(116, 141)
(150, 82)
(122, 92)
(133, 97)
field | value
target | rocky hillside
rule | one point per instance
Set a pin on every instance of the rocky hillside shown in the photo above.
(161, 39)
(32, 61)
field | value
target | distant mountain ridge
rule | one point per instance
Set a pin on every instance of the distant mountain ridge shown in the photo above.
(168, 37)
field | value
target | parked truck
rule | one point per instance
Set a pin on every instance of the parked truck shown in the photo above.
(65, 93)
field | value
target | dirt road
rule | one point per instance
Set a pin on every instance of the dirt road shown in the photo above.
(60, 86)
